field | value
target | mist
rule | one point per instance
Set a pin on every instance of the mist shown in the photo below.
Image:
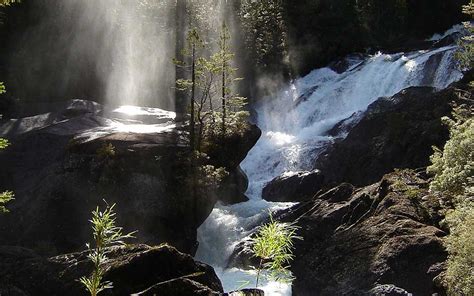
(115, 52)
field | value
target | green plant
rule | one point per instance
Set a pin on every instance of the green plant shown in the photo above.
(4, 198)
(273, 246)
(460, 246)
(107, 150)
(411, 191)
(7, 195)
(465, 54)
(106, 234)
(4, 143)
(453, 167)
(8, 2)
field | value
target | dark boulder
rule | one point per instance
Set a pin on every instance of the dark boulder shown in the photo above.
(62, 164)
(385, 233)
(229, 152)
(131, 269)
(388, 290)
(246, 292)
(178, 287)
(396, 132)
(295, 187)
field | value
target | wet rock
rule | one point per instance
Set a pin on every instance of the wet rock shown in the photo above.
(385, 233)
(347, 63)
(59, 177)
(229, 152)
(388, 290)
(242, 256)
(246, 292)
(295, 187)
(178, 287)
(396, 132)
(232, 190)
(131, 269)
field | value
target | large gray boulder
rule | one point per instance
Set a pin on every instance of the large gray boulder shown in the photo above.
(294, 187)
(394, 132)
(132, 269)
(62, 164)
(383, 234)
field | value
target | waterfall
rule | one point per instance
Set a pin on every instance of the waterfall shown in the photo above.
(293, 125)
(119, 52)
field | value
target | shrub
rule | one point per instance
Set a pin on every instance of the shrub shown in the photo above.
(4, 143)
(460, 246)
(453, 168)
(273, 245)
(7, 195)
(4, 198)
(106, 234)
(107, 150)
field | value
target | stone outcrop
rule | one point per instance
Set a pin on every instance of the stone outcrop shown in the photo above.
(357, 239)
(229, 152)
(136, 269)
(396, 132)
(295, 187)
(62, 164)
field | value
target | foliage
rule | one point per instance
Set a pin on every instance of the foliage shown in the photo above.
(8, 2)
(265, 31)
(7, 195)
(4, 143)
(4, 198)
(106, 234)
(107, 150)
(2, 88)
(460, 246)
(214, 107)
(273, 245)
(465, 54)
(453, 168)
(210, 176)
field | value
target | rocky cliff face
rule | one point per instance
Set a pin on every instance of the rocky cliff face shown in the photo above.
(62, 164)
(381, 236)
(140, 270)
(396, 132)
(385, 233)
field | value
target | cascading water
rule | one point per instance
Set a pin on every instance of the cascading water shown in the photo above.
(293, 125)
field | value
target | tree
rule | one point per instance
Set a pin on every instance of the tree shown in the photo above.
(194, 42)
(266, 33)
(225, 56)
(273, 246)
(180, 29)
(465, 54)
(106, 234)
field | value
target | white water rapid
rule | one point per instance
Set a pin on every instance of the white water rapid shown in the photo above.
(293, 125)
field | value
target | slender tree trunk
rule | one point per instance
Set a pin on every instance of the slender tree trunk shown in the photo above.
(192, 133)
(224, 69)
(192, 124)
(180, 22)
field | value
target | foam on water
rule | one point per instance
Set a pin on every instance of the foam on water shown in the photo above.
(294, 125)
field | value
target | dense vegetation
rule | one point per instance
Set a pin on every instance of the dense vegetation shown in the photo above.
(453, 169)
